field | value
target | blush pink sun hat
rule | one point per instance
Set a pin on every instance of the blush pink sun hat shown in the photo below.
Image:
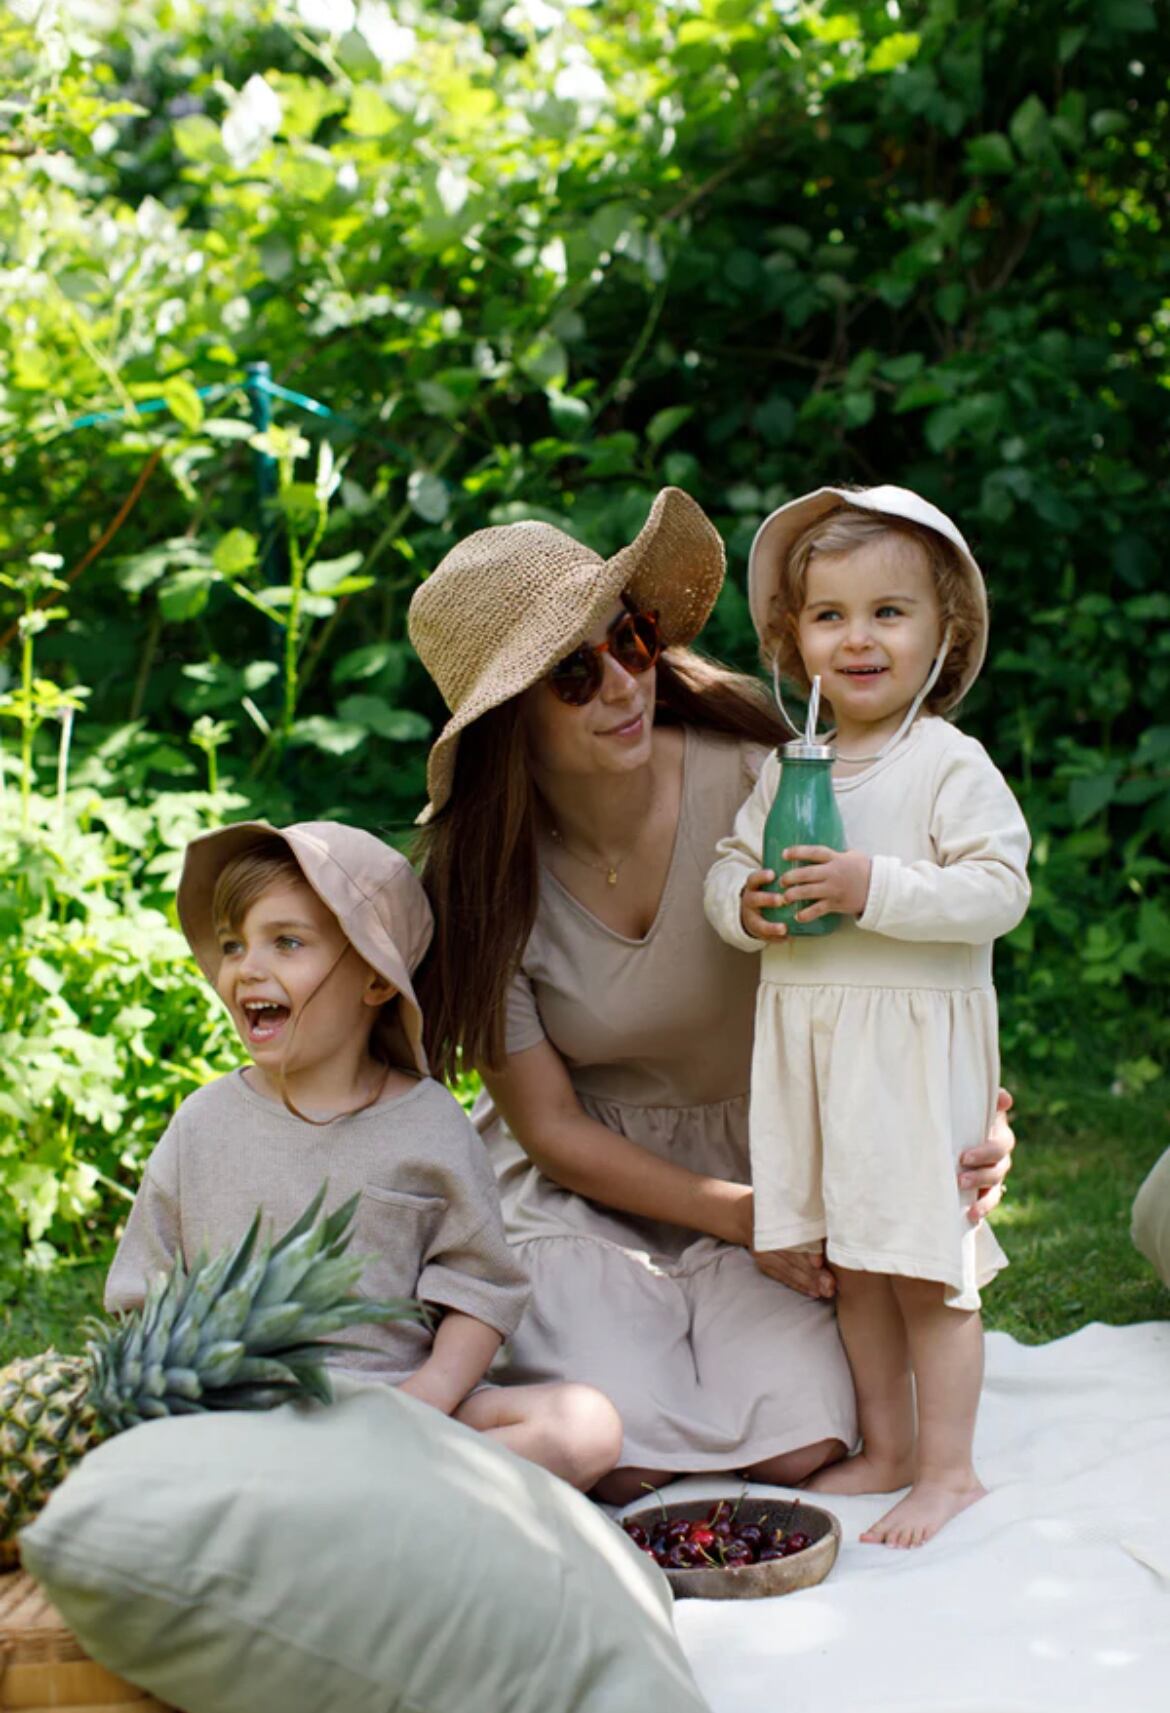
(507, 603)
(778, 534)
(370, 887)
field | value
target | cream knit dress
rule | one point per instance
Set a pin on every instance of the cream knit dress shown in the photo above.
(711, 1364)
(876, 1058)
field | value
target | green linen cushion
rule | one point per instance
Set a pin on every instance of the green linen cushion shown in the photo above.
(366, 1558)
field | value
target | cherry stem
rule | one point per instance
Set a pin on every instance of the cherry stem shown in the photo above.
(657, 1492)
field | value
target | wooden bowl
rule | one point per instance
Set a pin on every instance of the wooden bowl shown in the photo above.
(754, 1581)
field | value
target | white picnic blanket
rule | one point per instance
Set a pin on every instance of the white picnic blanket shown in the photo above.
(1052, 1595)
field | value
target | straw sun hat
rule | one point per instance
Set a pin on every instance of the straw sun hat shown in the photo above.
(778, 534)
(370, 887)
(507, 603)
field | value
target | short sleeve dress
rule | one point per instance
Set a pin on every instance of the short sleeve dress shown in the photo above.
(711, 1364)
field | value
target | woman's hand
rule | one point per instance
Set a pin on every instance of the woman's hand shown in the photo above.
(802, 1270)
(985, 1167)
(755, 898)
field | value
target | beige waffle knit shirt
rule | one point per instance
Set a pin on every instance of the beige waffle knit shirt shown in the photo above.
(428, 1218)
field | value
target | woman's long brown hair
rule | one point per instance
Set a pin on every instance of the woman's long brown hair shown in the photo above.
(479, 859)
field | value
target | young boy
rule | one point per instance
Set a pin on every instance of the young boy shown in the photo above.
(310, 934)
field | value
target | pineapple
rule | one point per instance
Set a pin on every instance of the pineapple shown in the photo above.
(245, 1331)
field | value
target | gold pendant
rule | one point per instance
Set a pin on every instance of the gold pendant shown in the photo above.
(611, 877)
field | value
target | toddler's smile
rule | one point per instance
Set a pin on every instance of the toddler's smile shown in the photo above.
(870, 626)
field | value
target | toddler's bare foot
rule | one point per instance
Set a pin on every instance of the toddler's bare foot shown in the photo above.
(864, 1473)
(922, 1513)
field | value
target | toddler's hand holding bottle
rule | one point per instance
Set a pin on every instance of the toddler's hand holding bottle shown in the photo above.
(832, 883)
(756, 897)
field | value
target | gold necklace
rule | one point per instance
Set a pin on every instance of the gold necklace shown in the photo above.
(611, 870)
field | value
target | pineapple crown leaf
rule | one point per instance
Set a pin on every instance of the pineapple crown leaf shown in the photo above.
(300, 1226)
(337, 1229)
(236, 1263)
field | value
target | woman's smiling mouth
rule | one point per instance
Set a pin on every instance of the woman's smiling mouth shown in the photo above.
(630, 729)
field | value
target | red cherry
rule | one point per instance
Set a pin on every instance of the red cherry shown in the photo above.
(701, 1535)
(637, 1534)
(678, 1531)
(768, 1553)
(720, 1512)
(798, 1540)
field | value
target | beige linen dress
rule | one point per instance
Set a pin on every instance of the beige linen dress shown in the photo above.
(711, 1364)
(876, 1054)
(428, 1220)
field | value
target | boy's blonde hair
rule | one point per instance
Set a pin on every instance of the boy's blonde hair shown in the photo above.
(247, 877)
(844, 531)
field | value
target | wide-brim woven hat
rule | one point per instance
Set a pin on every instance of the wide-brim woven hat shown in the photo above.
(370, 887)
(778, 534)
(507, 603)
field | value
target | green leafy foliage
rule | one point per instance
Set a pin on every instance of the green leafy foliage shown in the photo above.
(104, 1024)
(537, 261)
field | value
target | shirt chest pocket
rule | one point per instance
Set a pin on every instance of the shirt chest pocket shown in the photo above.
(395, 1230)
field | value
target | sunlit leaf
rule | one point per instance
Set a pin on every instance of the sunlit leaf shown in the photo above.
(183, 402)
(235, 553)
(428, 495)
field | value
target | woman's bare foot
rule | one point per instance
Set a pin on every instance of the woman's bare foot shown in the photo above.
(863, 1474)
(922, 1513)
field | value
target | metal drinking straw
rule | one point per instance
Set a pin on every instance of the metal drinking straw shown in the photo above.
(814, 708)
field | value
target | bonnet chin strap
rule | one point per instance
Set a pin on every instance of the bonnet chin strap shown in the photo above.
(908, 720)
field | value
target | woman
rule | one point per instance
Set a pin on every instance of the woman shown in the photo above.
(590, 764)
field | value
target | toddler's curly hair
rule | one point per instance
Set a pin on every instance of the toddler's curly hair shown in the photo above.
(843, 530)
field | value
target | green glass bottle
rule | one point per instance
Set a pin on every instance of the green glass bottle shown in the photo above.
(805, 812)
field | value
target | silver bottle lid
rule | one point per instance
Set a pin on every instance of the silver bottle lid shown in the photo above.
(801, 750)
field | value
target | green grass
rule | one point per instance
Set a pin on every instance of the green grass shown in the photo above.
(1065, 1226)
(42, 1309)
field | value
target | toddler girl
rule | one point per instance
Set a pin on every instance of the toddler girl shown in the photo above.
(310, 934)
(876, 1060)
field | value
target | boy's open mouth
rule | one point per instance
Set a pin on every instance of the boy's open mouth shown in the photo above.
(862, 671)
(263, 1018)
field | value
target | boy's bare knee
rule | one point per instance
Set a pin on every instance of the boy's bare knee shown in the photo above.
(588, 1428)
